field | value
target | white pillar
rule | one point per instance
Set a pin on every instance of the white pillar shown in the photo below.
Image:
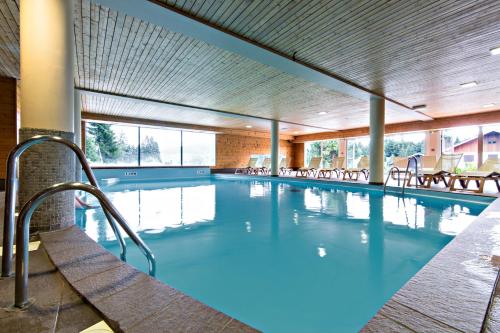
(377, 122)
(47, 102)
(46, 31)
(275, 147)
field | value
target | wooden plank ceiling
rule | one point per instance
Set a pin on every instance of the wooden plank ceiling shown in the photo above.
(118, 107)
(9, 38)
(416, 52)
(124, 55)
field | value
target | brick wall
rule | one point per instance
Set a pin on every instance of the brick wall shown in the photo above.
(233, 151)
(8, 123)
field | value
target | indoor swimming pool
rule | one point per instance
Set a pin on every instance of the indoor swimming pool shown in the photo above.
(284, 255)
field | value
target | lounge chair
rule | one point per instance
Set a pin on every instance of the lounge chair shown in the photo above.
(249, 168)
(489, 170)
(445, 167)
(311, 169)
(363, 168)
(265, 168)
(283, 167)
(336, 166)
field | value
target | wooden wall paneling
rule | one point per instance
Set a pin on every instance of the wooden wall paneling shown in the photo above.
(8, 125)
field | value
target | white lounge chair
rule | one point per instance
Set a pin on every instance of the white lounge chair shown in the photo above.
(445, 167)
(363, 168)
(489, 170)
(311, 169)
(336, 166)
(249, 168)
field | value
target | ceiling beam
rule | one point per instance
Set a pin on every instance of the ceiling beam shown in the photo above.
(169, 19)
(476, 119)
(154, 102)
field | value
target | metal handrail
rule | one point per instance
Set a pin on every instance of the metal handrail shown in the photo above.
(11, 191)
(389, 176)
(22, 234)
(414, 157)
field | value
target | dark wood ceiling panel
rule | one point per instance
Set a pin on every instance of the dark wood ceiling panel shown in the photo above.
(416, 52)
(9, 38)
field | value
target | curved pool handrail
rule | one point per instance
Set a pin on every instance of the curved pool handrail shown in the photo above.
(22, 234)
(11, 191)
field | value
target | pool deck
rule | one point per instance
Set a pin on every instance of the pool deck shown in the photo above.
(452, 293)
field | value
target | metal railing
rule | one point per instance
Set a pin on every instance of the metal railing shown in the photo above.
(11, 193)
(22, 234)
(415, 158)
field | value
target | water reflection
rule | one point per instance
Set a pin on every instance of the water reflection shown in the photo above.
(152, 210)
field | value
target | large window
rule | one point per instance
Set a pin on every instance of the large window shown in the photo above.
(403, 145)
(108, 144)
(462, 140)
(327, 149)
(160, 147)
(356, 148)
(198, 148)
(118, 145)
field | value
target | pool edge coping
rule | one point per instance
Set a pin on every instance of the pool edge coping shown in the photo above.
(115, 279)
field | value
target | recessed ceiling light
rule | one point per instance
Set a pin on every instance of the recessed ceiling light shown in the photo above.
(468, 84)
(248, 126)
(495, 51)
(420, 107)
(322, 113)
(488, 105)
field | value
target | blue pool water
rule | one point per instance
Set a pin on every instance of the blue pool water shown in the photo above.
(283, 256)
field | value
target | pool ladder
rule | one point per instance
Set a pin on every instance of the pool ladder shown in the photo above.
(22, 232)
(413, 160)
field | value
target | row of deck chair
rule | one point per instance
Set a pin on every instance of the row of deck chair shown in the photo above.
(252, 169)
(337, 167)
(442, 171)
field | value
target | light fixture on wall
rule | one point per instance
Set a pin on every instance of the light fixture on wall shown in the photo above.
(468, 84)
(322, 113)
(420, 107)
(489, 105)
(495, 51)
(248, 126)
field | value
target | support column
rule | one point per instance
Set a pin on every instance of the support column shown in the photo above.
(78, 131)
(377, 122)
(343, 148)
(433, 143)
(275, 147)
(480, 146)
(47, 102)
